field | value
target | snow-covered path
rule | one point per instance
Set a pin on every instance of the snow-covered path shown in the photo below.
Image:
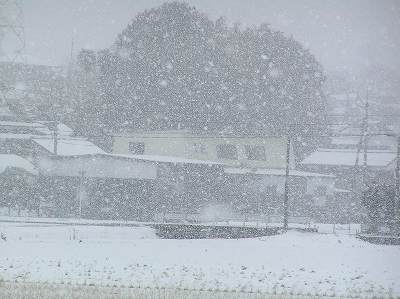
(295, 262)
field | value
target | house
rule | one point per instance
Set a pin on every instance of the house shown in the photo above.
(310, 194)
(70, 171)
(254, 168)
(203, 157)
(350, 166)
(95, 185)
(351, 172)
(228, 149)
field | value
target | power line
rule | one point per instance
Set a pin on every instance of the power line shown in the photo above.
(373, 115)
(80, 138)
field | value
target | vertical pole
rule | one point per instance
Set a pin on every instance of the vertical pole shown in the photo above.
(286, 196)
(357, 169)
(55, 138)
(365, 135)
(397, 200)
(80, 190)
(72, 49)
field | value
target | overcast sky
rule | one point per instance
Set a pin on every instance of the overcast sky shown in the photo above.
(341, 33)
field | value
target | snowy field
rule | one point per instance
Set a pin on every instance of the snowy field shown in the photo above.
(133, 257)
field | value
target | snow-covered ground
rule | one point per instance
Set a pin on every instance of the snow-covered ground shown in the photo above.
(295, 262)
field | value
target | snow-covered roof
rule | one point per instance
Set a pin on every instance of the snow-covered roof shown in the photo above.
(347, 157)
(190, 133)
(62, 130)
(21, 124)
(345, 140)
(169, 159)
(66, 144)
(275, 172)
(38, 129)
(70, 146)
(97, 166)
(14, 161)
(338, 190)
(381, 142)
(17, 136)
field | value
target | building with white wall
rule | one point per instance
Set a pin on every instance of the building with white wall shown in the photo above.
(230, 150)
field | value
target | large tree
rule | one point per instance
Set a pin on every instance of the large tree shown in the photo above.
(173, 67)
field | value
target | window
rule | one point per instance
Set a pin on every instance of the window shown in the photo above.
(199, 148)
(136, 148)
(321, 190)
(227, 151)
(255, 152)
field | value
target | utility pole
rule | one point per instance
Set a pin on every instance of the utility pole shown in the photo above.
(80, 191)
(72, 50)
(397, 200)
(286, 196)
(363, 143)
(365, 136)
(55, 137)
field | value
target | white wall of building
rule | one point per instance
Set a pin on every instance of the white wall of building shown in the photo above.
(97, 167)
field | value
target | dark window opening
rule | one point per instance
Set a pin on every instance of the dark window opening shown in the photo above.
(136, 148)
(199, 148)
(227, 151)
(255, 152)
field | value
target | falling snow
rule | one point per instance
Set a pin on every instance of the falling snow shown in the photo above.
(241, 148)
